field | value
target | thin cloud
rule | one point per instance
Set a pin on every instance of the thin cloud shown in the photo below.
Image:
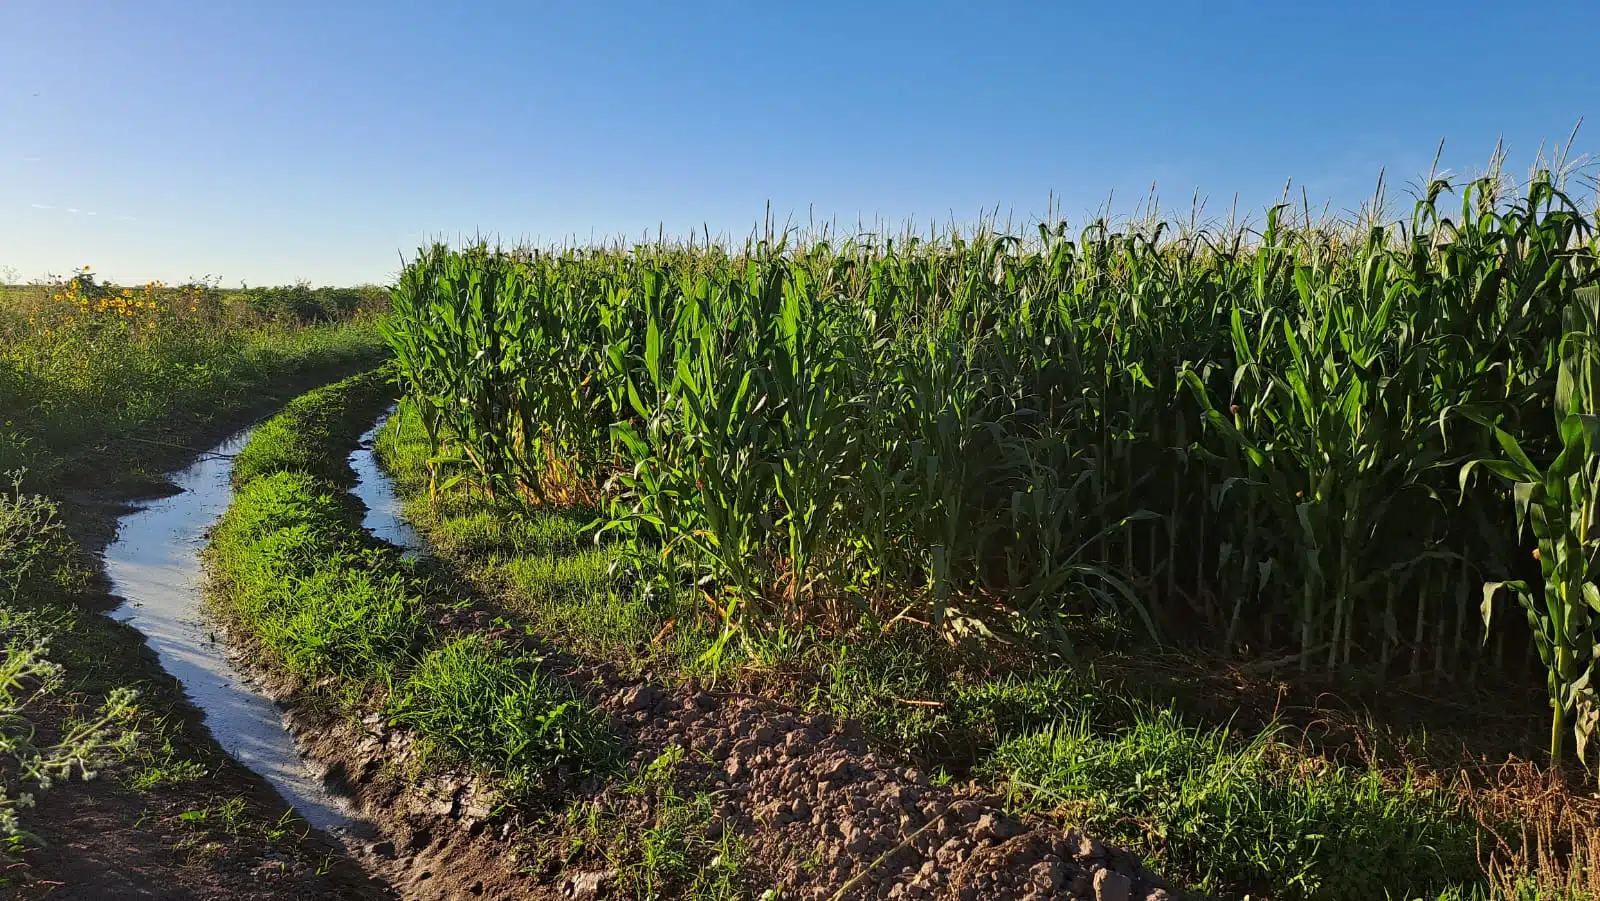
(76, 210)
(32, 159)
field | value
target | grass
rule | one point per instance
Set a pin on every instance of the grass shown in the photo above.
(673, 851)
(325, 601)
(544, 565)
(39, 561)
(82, 373)
(477, 699)
(299, 438)
(1246, 814)
(151, 752)
(163, 765)
(315, 597)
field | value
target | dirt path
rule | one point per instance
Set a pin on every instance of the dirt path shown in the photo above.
(816, 813)
(826, 816)
(179, 819)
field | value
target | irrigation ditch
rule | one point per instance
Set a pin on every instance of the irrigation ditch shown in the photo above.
(791, 804)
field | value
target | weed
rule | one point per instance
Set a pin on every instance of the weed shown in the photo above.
(164, 767)
(678, 849)
(26, 677)
(227, 816)
(38, 561)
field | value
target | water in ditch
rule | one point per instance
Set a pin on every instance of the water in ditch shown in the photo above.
(374, 488)
(154, 566)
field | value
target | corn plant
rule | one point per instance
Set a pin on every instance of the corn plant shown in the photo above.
(1560, 502)
(1241, 439)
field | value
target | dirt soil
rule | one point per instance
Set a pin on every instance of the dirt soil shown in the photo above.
(103, 841)
(822, 816)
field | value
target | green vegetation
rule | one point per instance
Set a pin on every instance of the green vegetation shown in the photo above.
(1227, 811)
(484, 701)
(295, 570)
(929, 482)
(303, 305)
(38, 559)
(544, 564)
(1245, 442)
(670, 854)
(306, 436)
(1247, 814)
(26, 677)
(39, 563)
(318, 600)
(97, 370)
(98, 379)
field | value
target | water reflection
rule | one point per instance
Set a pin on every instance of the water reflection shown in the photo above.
(155, 566)
(373, 486)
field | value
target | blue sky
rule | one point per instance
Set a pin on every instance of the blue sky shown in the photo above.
(272, 141)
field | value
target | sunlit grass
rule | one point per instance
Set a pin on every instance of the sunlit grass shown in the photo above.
(324, 600)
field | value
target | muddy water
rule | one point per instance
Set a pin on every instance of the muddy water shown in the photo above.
(154, 565)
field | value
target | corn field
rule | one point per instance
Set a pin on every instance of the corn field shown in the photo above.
(1351, 443)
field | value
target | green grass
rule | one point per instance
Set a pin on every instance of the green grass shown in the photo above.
(671, 852)
(478, 700)
(546, 566)
(42, 573)
(67, 390)
(1246, 813)
(162, 764)
(298, 439)
(317, 599)
(935, 707)
(322, 598)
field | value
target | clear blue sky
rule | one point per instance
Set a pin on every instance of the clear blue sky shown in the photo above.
(274, 140)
